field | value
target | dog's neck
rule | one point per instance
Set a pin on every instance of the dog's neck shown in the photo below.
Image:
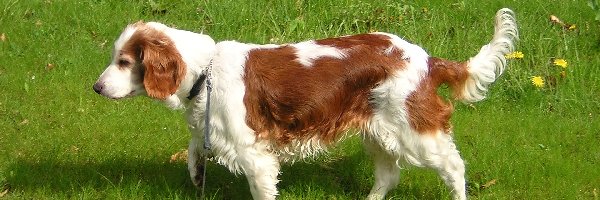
(197, 51)
(200, 82)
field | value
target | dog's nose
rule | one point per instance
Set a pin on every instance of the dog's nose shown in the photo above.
(98, 87)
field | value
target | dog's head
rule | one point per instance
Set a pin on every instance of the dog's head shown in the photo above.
(145, 60)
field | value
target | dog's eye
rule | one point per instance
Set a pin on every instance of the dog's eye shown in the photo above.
(123, 63)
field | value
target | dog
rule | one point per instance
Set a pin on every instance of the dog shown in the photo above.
(272, 104)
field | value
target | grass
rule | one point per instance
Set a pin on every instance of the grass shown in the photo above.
(59, 140)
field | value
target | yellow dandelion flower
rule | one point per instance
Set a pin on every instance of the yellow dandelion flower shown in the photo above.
(560, 62)
(519, 55)
(514, 55)
(537, 81)
(509, 56)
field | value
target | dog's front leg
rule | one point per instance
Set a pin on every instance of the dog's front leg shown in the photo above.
(196, 158)
(261, 169)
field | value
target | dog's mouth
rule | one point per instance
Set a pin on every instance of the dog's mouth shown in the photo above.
(113, 93)
(130, 94)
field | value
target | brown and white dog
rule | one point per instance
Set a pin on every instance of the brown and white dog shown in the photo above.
(281, 103)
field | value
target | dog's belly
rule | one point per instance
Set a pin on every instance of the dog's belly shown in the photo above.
(310, 148)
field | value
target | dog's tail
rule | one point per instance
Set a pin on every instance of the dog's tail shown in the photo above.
(470, 80)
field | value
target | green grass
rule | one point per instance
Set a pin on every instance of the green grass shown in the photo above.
(58, 139)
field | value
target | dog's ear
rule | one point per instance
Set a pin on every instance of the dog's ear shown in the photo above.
(164, 68)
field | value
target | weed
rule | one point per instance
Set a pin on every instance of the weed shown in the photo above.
(60, 140)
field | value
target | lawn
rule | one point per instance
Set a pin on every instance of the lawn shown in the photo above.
(60, 140)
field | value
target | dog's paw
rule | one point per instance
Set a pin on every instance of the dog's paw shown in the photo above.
(198, 178)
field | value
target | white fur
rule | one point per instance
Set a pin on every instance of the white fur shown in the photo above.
(308, 51)
(489, 63)
(118, 83)
(390, 121)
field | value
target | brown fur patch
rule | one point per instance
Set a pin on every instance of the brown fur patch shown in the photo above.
(427, 111)
(373, 40)
(286, 101)
(163, 68)
(455, 74)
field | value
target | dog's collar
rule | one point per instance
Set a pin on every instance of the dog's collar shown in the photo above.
(197, 87)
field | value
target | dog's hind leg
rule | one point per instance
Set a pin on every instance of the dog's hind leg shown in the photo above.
(387, 172)
(438, 151)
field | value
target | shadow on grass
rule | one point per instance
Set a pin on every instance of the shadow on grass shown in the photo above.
(347, 177)
(344, 176)
(351, 177)
(122, 178)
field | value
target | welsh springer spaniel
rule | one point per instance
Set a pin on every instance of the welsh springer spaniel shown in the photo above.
(282, 103)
